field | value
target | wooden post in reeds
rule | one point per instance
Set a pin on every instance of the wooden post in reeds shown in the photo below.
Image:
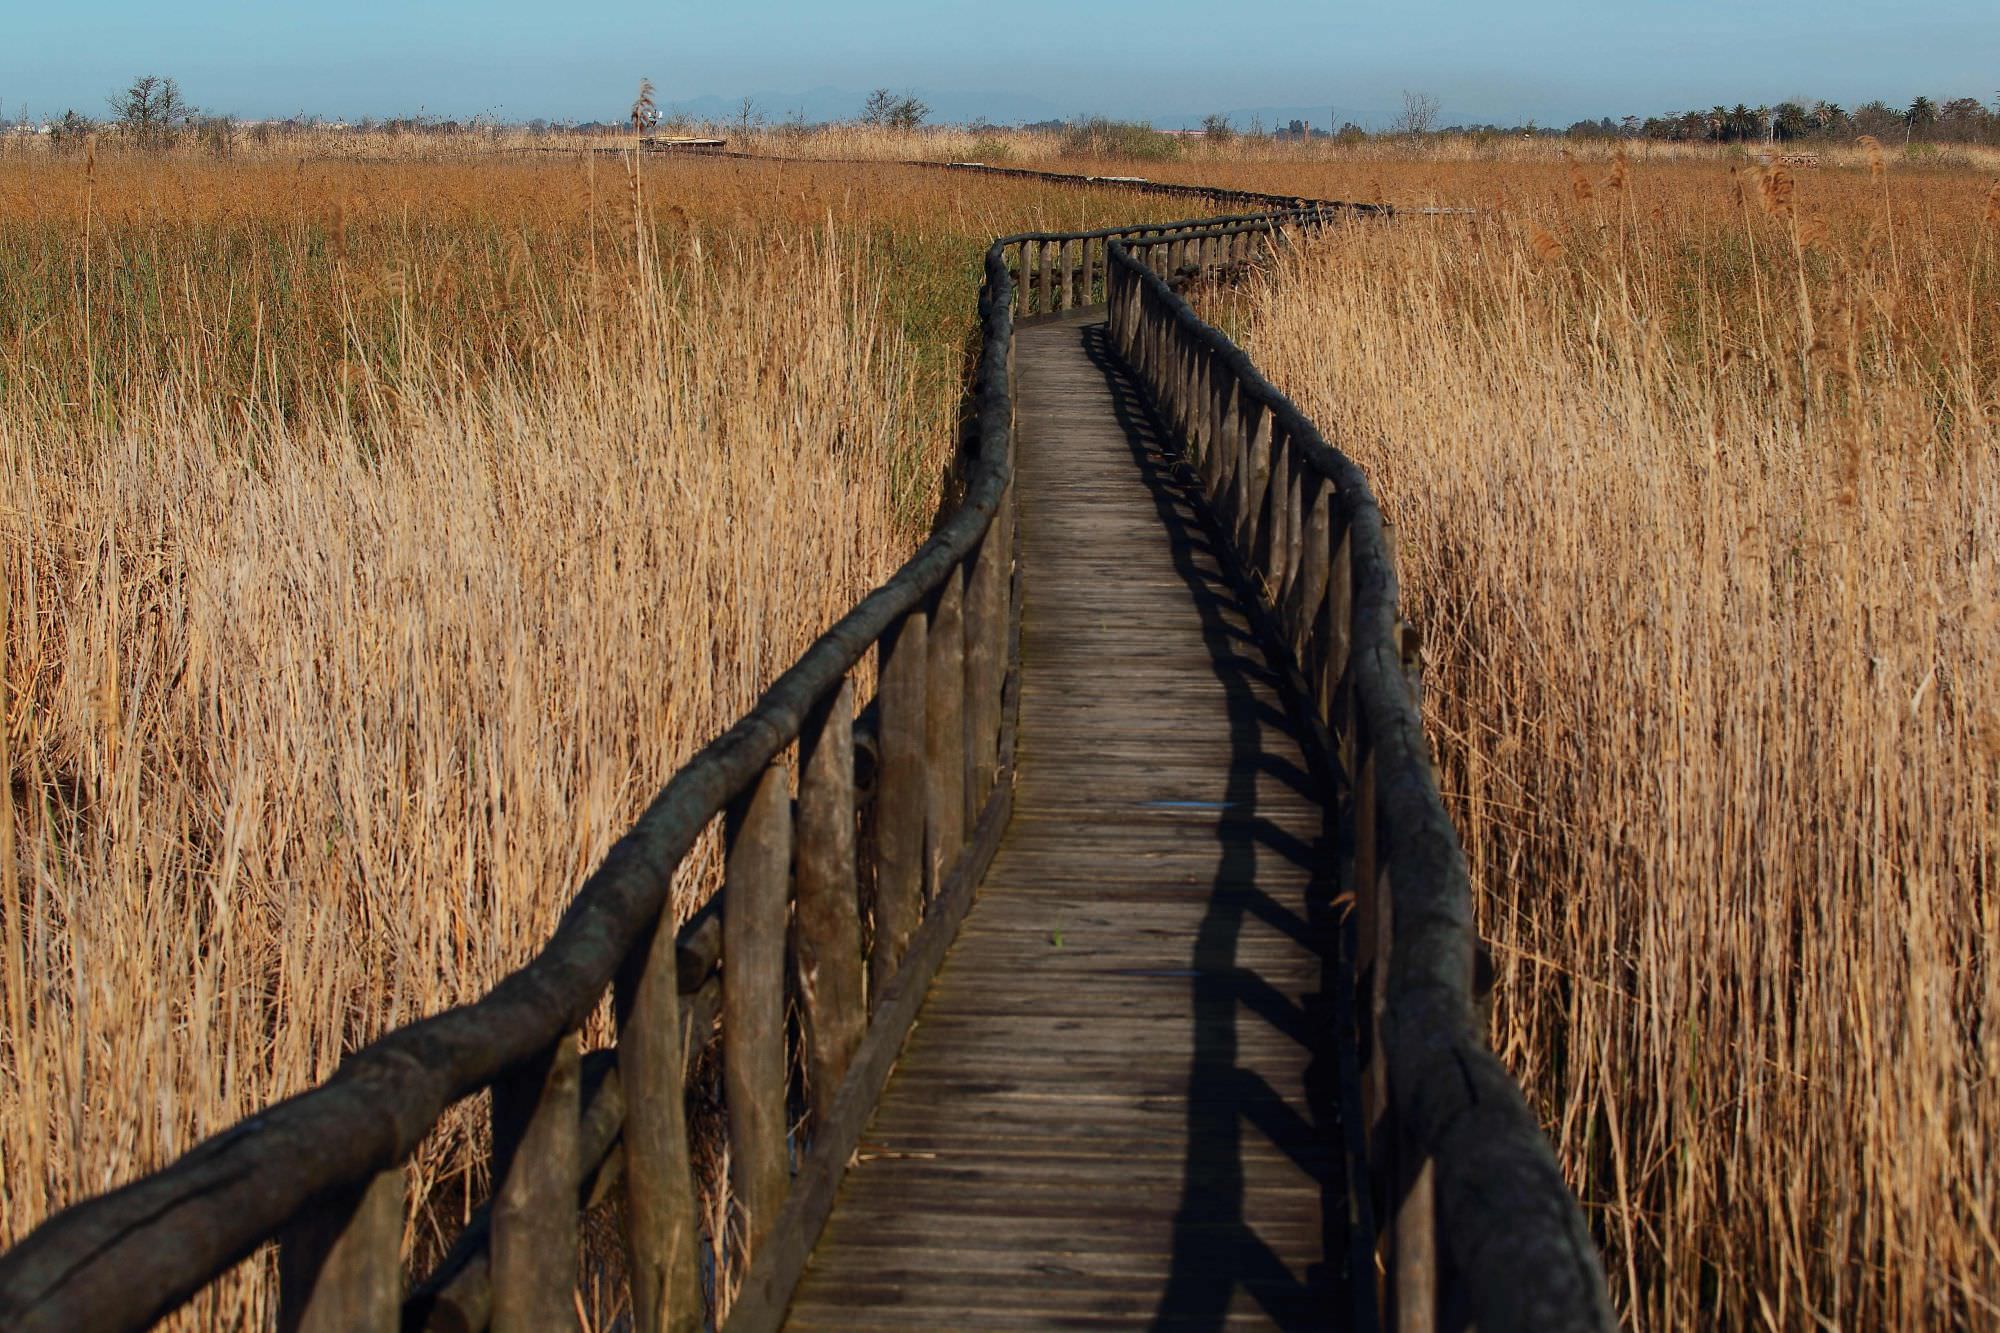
(1187, 393)
(944, 733)
(1315, 557)
(1223, 421)
(340, 1266)
(901, 800)
(1371, 936)
(1337, 641)
(1253, 480)
(827, 952)
(1270, 554)
(1296, 472)
(985, 667)
(661, 1237)
(756, 885)
(535, 1171)
(1416, 1244)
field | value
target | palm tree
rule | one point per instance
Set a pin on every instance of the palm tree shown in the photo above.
(1789, 121)
(1921, 116)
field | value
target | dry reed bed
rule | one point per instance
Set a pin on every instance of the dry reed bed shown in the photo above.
(1696, 484)
(373, 543)
(1062, 150)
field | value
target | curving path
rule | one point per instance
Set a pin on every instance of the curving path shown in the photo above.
(1109, 1113)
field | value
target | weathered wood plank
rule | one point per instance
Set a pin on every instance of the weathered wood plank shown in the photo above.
(341, 1266)
(827, 929)
(661, 1239)
(535, 1118)
(944, 733)
(902, 799)
(757, 880)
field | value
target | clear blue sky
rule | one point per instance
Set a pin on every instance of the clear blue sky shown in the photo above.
(1554, 60)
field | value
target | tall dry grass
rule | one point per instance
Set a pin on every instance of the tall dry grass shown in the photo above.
(373, 542)
(1696, 484)
(1090, 147)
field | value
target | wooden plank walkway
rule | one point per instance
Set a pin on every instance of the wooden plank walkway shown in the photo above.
(1115, 1108)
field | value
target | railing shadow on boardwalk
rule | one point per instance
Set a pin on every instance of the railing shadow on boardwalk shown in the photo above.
(1226, 1101)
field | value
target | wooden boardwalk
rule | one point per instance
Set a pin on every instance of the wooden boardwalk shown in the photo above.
(1110, 1113)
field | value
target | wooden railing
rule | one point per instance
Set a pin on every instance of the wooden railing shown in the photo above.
(1472, 1220)
(908, 800)
(853, 844)
(1056, 272)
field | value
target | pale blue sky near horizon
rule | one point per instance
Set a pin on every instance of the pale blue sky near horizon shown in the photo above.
(1550, 60)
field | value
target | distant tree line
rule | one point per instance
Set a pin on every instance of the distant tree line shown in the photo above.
(152, 112)
(1957, 120)
(1954, 120)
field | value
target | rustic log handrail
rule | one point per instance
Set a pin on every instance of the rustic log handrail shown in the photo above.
(927, 770)
(320, 1172)
(1476, 1224)
(1059, 271)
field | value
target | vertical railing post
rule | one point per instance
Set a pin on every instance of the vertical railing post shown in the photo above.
(827, 921)
(985, 663)
(1271, 553)
(1062, 276)
(944, 731)
(1416, 1276)
(1254, 479)
(1371, 927)
(1215, 450)
(1176, 371)
(1416, 1245)
(756, 886)
(1186, 387)
(1149, 321)
(1156, 348)
(1222, 429)
(1144, 325)
(340, 1265)
(1047, 303)
(661, 1239)
(535, 1114)
(1315, 557)
(1296, 471)
(901, 800)
(1201, 405)
(1337, 638)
